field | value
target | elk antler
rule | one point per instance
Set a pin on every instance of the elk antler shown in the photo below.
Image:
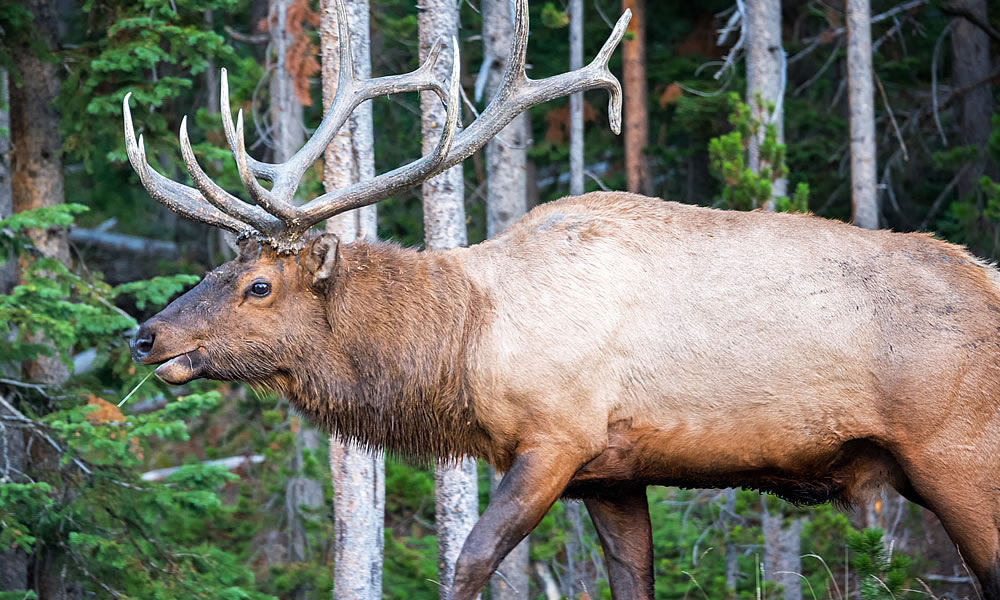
(282, 224)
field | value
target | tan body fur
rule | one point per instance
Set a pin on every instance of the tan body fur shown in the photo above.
(611, 341)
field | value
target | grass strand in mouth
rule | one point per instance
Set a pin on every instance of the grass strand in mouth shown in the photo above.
(137, 386)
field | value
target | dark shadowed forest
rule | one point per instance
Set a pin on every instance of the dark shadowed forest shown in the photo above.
(114, 484)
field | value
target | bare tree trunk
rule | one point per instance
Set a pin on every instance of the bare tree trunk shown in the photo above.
(576, 166)
(287, 133)
(506, 154)
(636, 100)
(358, 475)
(303, 495)
(970, 63)
(13, 563)
(732, 554)
(782, 551)
(861, 102)
(765, 77)
(506, 202)
(455, 484)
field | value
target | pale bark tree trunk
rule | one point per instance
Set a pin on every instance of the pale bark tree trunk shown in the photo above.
(765, 73)
(861, 103)
(636, 104)
(287, 133)
(576, 166)
(358, 475)
(303, 495)
(970, 63)
(782, 551)
(506, 202)
(455, 484)
(732, 552)
(506, 155)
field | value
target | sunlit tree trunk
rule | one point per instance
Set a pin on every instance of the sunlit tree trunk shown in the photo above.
(970, 64)
(285, 110)
(636, 100)
(506, 154)
(861, 103)
(455, 484)
(358, 475)
(506, 202)
(782, 551)
(576, 164)
(303, 495)
(765, 75)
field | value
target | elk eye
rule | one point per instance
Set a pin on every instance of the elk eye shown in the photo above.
(260, 288)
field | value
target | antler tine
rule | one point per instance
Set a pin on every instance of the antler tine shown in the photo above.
(266, 171)
(385, 185)
(518, 93)
(219, 197)
(177, 197)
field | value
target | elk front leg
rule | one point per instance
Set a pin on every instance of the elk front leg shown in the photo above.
(532, 484)
(622, 522)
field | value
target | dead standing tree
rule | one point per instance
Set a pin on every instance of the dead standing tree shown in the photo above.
(358, 473)
(456, 505)
(861, 103)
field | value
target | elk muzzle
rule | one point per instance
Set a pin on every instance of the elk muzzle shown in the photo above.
(149, 347)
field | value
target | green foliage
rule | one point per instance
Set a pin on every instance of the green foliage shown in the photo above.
(83, 499)
(881, 576)
(744, 189)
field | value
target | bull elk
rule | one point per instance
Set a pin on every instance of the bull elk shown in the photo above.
(604, 343)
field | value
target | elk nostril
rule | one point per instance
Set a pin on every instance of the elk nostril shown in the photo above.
(142, 343)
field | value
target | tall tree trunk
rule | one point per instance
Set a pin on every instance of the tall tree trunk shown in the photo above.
(303, 495)
(782, 551)
(576, 165)
(506, 202)
(13, 563)
(970, 63)
(506, 154)
(765, 74)
(861, 107)
(285, 110)
(636, 100)
(455, 484)
(358, 475)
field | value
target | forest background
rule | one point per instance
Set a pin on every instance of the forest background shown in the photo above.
(221, 491)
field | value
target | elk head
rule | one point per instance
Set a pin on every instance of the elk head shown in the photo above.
(232, 323)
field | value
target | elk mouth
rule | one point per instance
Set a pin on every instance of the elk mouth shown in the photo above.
(183, 367)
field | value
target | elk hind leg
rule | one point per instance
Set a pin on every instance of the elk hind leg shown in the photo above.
(621, 518)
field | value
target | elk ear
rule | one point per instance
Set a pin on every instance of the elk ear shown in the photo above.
(322, 259)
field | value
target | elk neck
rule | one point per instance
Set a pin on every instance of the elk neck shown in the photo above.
(392, 371)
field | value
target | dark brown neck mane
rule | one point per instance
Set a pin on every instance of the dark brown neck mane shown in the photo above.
(392, 373)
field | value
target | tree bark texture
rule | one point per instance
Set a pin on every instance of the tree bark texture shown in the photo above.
(765, 73)
(970, 63)
(13, 461)
(8, 274)
(636, 100)
(861, 108)
(287, 133)
(36, 165)
(782, 552)
(358, 475)
(506, 154)
(513, 577)
(576, 166)
(456, 499)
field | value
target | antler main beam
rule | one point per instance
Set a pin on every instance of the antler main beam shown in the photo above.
(273, 214)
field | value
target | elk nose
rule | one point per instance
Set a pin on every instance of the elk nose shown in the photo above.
(142, 343)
